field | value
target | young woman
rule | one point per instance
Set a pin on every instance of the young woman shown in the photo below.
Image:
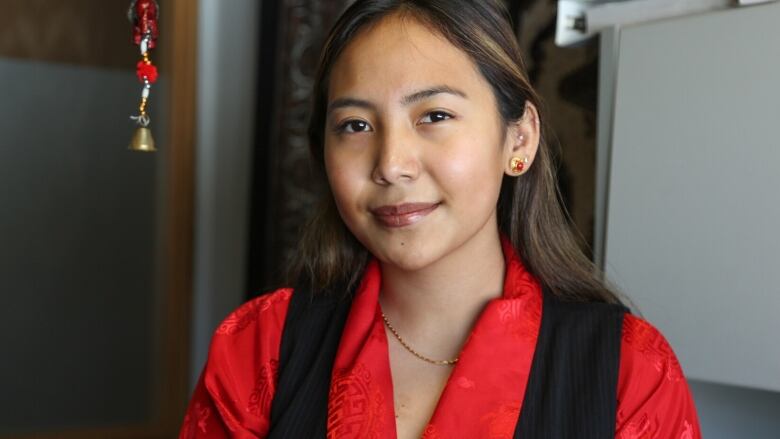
(440, 292)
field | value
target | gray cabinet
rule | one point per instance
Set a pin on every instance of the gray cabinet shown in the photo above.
(688, 212)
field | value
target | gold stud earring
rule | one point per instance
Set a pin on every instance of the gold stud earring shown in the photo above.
(517, 164)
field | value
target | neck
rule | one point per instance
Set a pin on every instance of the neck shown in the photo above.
(448, 295)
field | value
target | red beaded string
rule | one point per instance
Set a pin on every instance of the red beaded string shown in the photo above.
(144, 14)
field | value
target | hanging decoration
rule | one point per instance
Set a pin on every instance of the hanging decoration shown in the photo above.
(144, 14)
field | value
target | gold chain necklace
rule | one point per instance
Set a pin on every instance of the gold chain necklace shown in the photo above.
(415, 353)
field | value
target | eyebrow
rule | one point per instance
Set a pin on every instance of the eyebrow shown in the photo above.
(405, 101)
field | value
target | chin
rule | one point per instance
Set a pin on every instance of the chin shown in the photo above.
(409, 257)
(408, 264)
(408, 250)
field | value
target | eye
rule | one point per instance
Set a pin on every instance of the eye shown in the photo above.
(353, 126)
(436, 116)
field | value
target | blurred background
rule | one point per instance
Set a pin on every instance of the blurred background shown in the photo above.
(116, 266)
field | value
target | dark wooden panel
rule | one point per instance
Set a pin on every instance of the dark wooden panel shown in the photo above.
(176, 56)
(87, 32)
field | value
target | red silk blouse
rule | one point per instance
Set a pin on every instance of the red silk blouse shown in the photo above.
(485, 389)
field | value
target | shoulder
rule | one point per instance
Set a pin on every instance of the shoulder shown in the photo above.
(251, 334)
(653, 396)
(645, 350)
(234, 393)
(267, 311)
(252, 331)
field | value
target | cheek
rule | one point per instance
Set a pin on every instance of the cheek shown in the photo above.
(339, 185)
(345, 185)
(473, 167)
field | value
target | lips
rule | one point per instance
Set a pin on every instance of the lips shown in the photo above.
(401, 215)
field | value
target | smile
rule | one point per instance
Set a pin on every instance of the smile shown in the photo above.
(402, 215)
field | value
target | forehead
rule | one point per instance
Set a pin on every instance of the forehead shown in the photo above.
(400, 53)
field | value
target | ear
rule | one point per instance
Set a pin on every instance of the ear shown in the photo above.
(522, 142)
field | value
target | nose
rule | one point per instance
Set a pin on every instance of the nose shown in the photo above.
(397, 158)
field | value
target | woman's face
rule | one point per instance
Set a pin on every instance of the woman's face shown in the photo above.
(415, 149)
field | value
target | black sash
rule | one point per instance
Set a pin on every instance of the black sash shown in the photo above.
(571, 390)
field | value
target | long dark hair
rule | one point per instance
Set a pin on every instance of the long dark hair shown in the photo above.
(529, 212)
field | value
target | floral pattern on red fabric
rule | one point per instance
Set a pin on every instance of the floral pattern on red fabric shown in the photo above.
(522, 282)
(647, 340)
(233, 395)
(640, 428)
(265, 387)
(465, 383)
(688, 431)
(524, 328)
(355, 405)
(203, 414)
(654, 400)
(501, 423)
(245, 315)
(430, 432)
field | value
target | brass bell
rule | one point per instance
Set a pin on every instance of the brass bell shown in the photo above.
(142, 140)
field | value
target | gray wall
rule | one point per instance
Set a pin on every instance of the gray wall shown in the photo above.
(692, 205)
(227, 54)
(77, 248)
